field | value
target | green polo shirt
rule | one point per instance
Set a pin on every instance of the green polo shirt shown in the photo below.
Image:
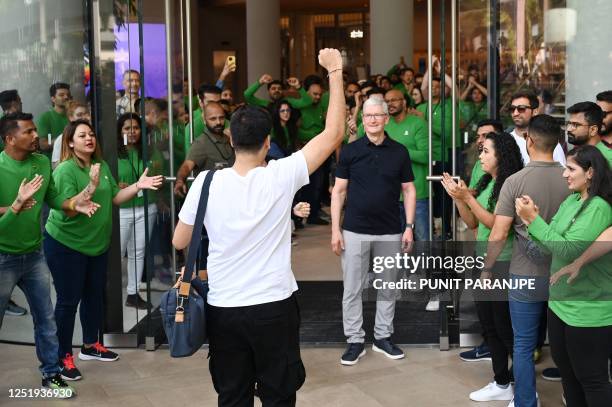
(472, 113)
(90, 236)
(587, 302)
(412, 134)
(20, 233)
(210, 151)
(606, 151)
(53, 123)
(437, 127)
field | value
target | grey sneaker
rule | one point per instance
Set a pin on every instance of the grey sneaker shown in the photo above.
(14, 309)
(388, 348)
(353, 352)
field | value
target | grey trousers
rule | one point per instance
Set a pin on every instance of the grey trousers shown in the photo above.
(359, 249)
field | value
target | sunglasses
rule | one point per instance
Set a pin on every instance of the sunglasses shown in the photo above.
(520, 108)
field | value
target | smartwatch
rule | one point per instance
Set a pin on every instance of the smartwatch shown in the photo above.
(410, 225)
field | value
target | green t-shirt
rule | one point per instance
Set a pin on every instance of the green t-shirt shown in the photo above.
(130, 169)
(53, 123)
(477, 173)
(412, 134)
(436, 126)
(483, 232)
(299, 103)
(90, 236)
(312, 121)
(20, 234)
(587, 302)
(470, 114)
(606, 151)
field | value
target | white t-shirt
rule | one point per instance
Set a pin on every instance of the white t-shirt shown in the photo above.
(248, 220)
(558, 154)
(57, 150)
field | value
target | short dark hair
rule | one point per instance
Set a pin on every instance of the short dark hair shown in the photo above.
(7, 97)
(544, 130)
(528, 94)
(605, 96)
(592, 112)
(353, 83)
(275, 82)
(436, 79)
(367, 84)
(418, 75)
(403, 71)
(8, 123)
(250, 125)
(127, 71)
(497, 125)
(207, 88)
(375, 91)
(57, 86)
(312, 80)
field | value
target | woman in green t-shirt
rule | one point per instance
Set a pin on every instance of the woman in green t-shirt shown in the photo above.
(500, 158)
(580, 313)
(76, 247)
(132, 213)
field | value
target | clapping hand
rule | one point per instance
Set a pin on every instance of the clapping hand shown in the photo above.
(526, 209)
(26, 192)
(146, 182)
(457, 190)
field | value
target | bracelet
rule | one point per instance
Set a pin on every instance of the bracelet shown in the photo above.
(137, 187)
(15, 211)
(332, 71)
(72, 204)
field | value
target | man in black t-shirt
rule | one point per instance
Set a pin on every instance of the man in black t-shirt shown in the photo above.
(371, 172)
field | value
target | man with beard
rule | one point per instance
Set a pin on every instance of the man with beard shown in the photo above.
(604, 100)
(210, 151)
(411, 132)
(275, 92)
(583, 127)
(523, 107)
(206, 94)
(52, 122)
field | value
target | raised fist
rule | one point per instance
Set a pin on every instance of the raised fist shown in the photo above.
(265, 79)
(330, 59)
(293, 82)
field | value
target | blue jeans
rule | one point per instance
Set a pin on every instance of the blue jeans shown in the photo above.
(526, 316)
(421, 219)
(31, 274)
(78, 279)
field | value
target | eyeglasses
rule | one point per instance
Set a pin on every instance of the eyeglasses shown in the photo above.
(574, 125)
(520, 108)
(284, 111)
(374, 116)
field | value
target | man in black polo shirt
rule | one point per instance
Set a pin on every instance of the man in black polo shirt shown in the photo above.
(371, 172)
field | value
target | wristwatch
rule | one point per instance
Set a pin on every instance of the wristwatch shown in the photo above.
(410, 225)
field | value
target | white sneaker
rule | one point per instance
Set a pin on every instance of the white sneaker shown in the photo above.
(492, 392)
(537, 399)
(433, 304)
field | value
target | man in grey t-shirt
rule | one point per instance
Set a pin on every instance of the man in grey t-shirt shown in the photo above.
(542, 180)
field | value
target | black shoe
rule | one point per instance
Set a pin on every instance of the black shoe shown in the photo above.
(134, 300)
(97, 352)
(353, 352)
(387, 348)
(14, 309)
(69, 370)
(552, 374)
(60, 388)
(317, 221)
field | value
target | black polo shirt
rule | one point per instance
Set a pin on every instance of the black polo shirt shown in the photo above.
(375, 174)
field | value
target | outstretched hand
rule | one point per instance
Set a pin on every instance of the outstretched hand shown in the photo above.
(146, 182)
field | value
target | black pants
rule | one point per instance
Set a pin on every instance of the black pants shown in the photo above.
(256, 344)
(581, 354)
(494, 317)
(311, 193)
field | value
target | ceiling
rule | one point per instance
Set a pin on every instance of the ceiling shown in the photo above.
(298, 5)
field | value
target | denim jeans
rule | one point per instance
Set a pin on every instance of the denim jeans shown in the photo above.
(421, 219)
(526, 316)
(78, 279)
(31, 274)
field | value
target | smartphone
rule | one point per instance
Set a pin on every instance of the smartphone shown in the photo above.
(231, 60)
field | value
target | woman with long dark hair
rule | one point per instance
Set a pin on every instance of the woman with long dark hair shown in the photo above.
(284, 130)
(132, 213)
(500, 158)
(76, 248)
(580, 312)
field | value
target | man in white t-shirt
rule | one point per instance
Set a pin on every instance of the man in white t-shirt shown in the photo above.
(253, 316)
(523, 107)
